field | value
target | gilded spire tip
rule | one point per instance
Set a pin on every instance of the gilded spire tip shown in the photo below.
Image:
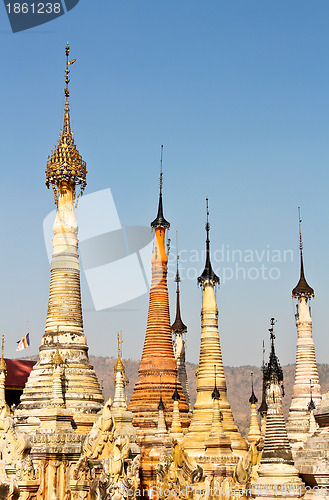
(65, 164)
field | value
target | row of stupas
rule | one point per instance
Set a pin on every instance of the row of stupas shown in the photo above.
(63, 442)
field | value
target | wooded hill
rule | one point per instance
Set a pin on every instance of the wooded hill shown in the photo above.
(238, 384)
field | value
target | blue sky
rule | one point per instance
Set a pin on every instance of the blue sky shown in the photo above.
(237, 91)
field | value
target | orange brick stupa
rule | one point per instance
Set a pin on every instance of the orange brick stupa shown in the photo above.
(157, 370)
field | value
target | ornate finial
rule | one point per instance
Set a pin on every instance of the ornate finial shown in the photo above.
(302, 288)
(208, 273)
(177, 278)
(160, 220)
(252, 399)
(119, 336)
(56, 359)
(119, 366)
(168, 246)
(263, 407)
(273, 370)
(215, 393)
(300, 232)
(207, 223)
(65, 165)
(311, 405)
(271, 330)
(3, 365)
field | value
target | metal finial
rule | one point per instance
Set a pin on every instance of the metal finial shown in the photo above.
(161, 169)
(168, 246)
(300, 232)
(208, 273)
(119, 336)
(3, 344)
(160, 220)
(3, 365)
(67, 72)
(263, 353)
(207, 223)
(271, 330)
(65, 164)
(302, 288)
(177, 278)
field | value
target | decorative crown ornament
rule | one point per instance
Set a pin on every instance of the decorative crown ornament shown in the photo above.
(65, 164)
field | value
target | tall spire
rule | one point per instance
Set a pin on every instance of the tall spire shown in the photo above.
(65, 163)
(178, 325)
(157, 358)
(302, 288)
(210, 356)
(208, 273)
(300, 421)
(276, 444)
(273, 368)
(178, 330)
(160, 220)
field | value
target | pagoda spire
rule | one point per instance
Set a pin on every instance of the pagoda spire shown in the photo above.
(64, 333)
(299, 423)
(254, 433)
(276, 465)
(263, 406)
(217, 444)
(158, 360)
(179, 330)
(120, 379)
(210, 356)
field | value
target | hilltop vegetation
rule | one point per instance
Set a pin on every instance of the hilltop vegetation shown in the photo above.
(237, 378)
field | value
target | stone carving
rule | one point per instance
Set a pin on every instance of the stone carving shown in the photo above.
(13, 445)
(246, 468)
(106, 468)
(177, 472)
(26, 470)
(98, 443)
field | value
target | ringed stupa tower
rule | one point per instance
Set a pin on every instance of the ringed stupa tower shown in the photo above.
(157, 370)
(306, 385)
(277, 476)
(66, 174)
(210, 357)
